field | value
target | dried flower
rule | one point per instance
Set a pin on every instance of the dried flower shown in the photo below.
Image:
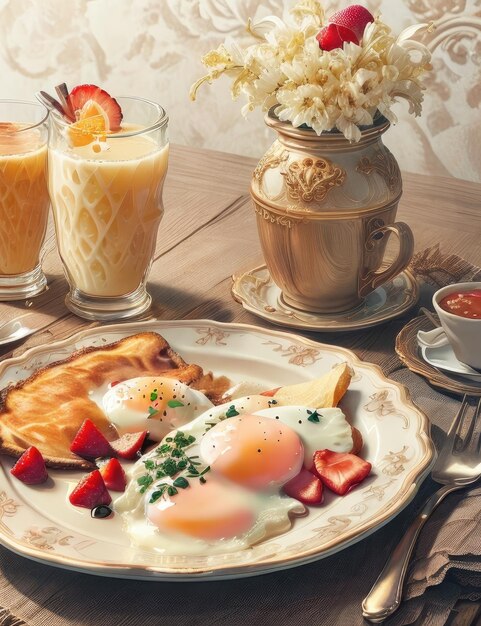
(341, 88)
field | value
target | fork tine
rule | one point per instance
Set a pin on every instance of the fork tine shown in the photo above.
(470, 432)
(477, 414)
(458, 420)
(461, 445)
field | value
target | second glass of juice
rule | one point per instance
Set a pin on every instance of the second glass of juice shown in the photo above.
(106, 193)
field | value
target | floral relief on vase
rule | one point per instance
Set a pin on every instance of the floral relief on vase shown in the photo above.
(310, 180)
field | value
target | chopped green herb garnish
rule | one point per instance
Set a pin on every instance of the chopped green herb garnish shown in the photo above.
(144, 482)
(174, 403)
(170, 459)
(153, 396)
(181, 482)
(152, 411)
(169, 467)
(231, 411)
(155, 496)
(314, 417)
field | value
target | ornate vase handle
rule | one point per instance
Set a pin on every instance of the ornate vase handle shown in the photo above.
(373, 279)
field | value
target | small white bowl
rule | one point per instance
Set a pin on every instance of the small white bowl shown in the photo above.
(464, 334)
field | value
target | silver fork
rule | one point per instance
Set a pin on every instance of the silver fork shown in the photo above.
(457, 466)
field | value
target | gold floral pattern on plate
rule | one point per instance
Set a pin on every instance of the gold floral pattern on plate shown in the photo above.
(39, 523)
(298, 355)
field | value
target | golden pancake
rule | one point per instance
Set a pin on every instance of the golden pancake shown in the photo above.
(47, 409)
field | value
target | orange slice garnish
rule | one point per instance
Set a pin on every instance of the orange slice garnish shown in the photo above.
(92, 125)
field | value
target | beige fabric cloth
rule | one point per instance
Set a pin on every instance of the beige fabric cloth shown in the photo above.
(446, 565)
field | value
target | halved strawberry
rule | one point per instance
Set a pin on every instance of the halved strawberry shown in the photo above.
(90, 491)
(114, 476)
(332, 36)
(305, 487)
(354, 18)
(81, 94)
(129, 445)
(89, 442)
(346, 25)
(30, 467)
(339, 471)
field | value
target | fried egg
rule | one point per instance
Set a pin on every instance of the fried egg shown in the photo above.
(156, 404)
(243, 452)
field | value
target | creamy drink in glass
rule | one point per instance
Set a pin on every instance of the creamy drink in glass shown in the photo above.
(24, 200)
(106, 192)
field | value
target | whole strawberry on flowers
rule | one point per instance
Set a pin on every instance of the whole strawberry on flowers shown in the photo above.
(344, 26)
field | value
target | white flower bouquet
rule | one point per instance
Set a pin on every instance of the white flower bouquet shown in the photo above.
(325, 74)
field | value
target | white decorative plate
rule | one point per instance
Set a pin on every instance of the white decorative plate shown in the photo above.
(258, 293)
(39, 523)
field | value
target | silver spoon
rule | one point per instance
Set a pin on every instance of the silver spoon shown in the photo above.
(14, 330)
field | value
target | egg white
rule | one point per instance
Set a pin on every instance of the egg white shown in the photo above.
(128, 420)
(273, 511)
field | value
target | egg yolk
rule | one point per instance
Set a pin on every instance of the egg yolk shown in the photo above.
(208, 511)
(147, 395)
(253, 451)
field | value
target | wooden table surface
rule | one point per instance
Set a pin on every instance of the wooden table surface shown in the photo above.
(208, 233)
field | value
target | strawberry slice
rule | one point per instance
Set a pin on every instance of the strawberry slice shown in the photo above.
(129, 445)
(270, 393)
(339, 471)
(332, 36)
(30, 467)
(90, 491)
(89, 442)
(354, 18)
(81, 94)
(114, 476)
(305, 487)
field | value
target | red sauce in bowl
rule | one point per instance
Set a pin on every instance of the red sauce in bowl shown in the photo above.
(464, 304)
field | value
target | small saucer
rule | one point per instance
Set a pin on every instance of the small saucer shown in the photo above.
(407, 348)
(258, 293)
(443, 358)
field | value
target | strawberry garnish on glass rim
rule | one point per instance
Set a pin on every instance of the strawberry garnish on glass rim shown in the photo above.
(97, 99)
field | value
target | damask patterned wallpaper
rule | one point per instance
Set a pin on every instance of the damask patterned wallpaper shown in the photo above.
(152, 48)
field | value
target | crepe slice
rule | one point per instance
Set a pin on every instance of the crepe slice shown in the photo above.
(321, 393)
(47, 409)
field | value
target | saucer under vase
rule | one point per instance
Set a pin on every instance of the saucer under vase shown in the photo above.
(258, 293)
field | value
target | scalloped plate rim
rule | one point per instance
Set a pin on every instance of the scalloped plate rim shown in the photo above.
(149, 572)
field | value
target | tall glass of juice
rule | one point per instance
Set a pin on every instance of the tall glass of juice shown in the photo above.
(24, 200)
(106, 192)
